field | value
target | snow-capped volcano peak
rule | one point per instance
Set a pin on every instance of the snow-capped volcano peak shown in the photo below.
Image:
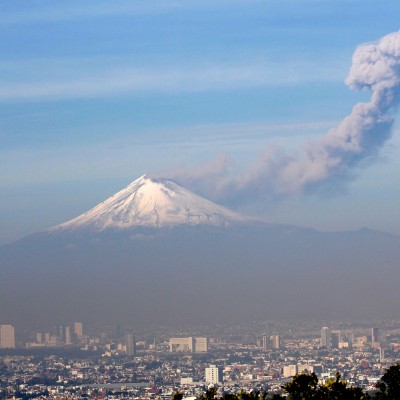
(151, 202)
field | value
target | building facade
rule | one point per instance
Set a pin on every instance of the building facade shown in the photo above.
(130, 344)
(271, 342)
(214, 374)
(326, 337)
(189, 345)
(7, 337)
(78, 329)
(289, 371)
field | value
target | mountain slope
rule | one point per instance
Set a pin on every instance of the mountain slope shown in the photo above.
(156, 252)
(154, 203)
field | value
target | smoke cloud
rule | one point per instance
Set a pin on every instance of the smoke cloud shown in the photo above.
(357, 139)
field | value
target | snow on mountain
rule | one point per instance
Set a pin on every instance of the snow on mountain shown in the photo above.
(155, 203)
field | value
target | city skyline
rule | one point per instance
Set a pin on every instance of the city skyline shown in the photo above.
(236, 357)
(199, 199)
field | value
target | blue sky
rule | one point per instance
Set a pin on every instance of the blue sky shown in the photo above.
(94, 94)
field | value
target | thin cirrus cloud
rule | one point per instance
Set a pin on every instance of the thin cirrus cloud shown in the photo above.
(124, 80)
(26, 13)
(42, 165)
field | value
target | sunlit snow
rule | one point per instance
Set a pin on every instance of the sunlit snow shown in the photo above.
(150, 202)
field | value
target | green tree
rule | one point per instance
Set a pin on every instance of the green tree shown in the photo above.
(302, 387)
(177, 396)
(209, 395)
(264, 395)
(336, 389)
(305, 387)
(389, 385)
(229, 396)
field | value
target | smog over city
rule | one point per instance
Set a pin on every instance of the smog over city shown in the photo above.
(214, 179)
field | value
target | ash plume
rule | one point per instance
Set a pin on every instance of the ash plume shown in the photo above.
(333, 157)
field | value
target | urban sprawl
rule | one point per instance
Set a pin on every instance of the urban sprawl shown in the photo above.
(68, 361)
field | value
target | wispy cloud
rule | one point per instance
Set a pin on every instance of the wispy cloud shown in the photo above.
(25, 13)
(144, 152)
(83, 82)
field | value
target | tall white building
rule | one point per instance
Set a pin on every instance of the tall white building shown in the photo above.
(7, 337)
(214, 374)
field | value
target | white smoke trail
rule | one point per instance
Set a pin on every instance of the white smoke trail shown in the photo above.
(359, 137)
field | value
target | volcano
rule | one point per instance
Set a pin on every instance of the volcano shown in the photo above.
(152, 203)
(157, 253)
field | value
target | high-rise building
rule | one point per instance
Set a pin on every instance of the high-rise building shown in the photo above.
(130, 344)
(381, 355)
(266, 343)
(188, 344)
(335, 339)
(67, 335)
(177, 345)
(375, 335)
(38, 337)
(78, 329)
(60, 334)
(214, 374)
(200, 345)
(326, 337)
(276, 342)
(270, 342)
(7, 337)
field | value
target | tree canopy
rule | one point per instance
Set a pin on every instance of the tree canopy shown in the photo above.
(306, 387)
(389, 385)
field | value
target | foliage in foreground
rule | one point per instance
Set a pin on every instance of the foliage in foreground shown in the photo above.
(306, 387)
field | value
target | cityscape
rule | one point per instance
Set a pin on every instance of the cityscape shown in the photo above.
(71, 361)
(199, 200)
